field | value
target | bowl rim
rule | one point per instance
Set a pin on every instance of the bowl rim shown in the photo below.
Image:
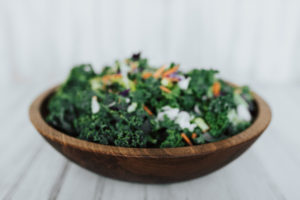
(261, 122)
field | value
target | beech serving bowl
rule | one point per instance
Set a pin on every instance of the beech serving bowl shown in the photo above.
(149, 165)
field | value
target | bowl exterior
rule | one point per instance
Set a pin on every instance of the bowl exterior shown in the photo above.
(152, 169)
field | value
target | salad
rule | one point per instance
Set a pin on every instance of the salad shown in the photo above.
(132, 104)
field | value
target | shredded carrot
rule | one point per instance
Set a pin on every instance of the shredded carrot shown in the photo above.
(108, 77)
(186, 139)
(171, 71)
(163, 88)
(105, 79)
(194, 135)
(216, 88)
(148, 110)
(146, 75)
(173, 79)
(159, 72)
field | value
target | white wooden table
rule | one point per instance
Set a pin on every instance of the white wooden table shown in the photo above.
(32, 169)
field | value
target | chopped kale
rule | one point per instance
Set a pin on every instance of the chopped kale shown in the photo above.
(132, 104)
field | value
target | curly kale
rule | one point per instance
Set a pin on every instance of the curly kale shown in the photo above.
(201, 81)
(89, 126)
(114, 127)
(187, 100)
(216, 115)
(62, 113)
(173, 139)
(172, 134)
(125, 106)
(73, 97)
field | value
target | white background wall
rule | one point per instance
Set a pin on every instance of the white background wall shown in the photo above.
(248, 40)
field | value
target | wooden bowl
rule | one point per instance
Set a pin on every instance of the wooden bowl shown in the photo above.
(151, 165)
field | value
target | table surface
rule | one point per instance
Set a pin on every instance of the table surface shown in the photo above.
(32, 169)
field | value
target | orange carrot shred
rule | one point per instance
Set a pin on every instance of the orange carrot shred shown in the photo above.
(159, 71)
(173, 79)
(186, 139)
(146, 75)
(148, 110)
(105, 77)
(117, 75)
(194, 135)
(163, 88)
(108, 77)
(216, 88)
(171, 71)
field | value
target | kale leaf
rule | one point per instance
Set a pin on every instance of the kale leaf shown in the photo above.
(216, 115)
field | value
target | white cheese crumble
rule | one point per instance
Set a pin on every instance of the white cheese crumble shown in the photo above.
(132, 107)
(127, 100)
(183, 120)
(95, 105)
(184, 82)
(171, 113)
(243, 113)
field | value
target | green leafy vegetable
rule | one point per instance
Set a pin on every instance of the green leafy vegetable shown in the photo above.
(132, 104)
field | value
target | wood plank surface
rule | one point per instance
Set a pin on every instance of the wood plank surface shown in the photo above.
(32, 169)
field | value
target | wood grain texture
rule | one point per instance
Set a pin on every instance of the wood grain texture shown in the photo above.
(144, 164)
